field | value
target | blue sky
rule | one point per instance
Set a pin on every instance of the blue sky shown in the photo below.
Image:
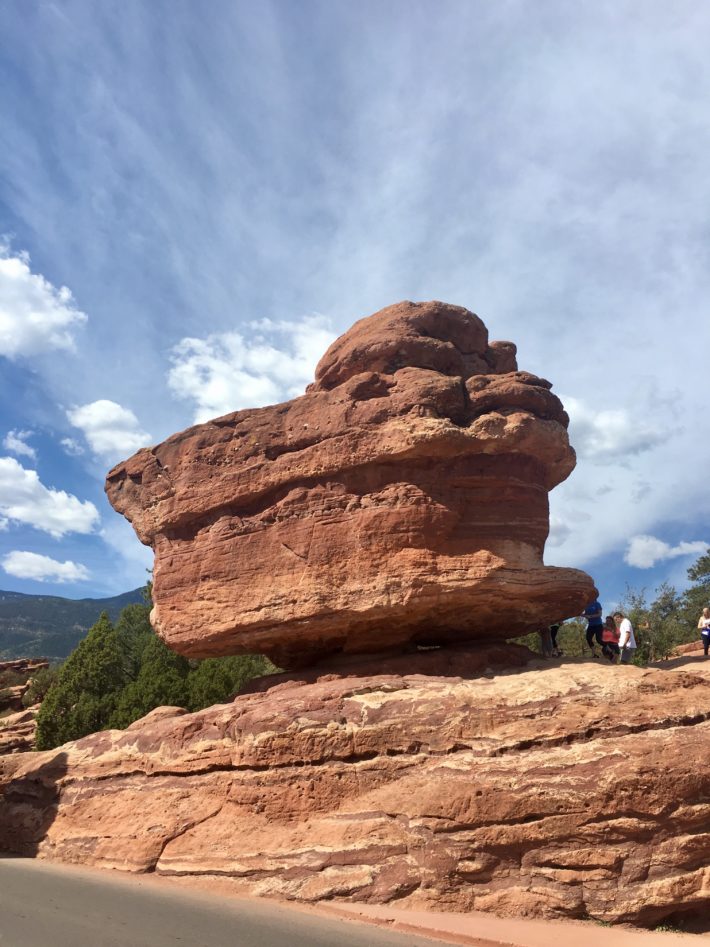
(196, 198)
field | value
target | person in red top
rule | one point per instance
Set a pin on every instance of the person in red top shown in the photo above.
(610, 639)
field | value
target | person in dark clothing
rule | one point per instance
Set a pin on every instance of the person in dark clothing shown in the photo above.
(593, 614)
(556, 652)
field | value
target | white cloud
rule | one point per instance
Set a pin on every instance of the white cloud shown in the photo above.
(112, 431)
(71, 447)
(644, 552)
(609, 436)
(24, 499)
(267, 363)
(559, 531)
(16, 443)
(31, 565)
(4, 524)
(35, 316)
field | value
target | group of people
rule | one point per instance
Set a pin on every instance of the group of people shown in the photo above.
(614, 634)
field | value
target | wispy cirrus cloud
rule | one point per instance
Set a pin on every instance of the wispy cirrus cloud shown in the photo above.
(71, 446)
(547, 171)
(16, 443)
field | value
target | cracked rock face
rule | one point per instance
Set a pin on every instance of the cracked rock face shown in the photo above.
(567, 791)
(402, 499)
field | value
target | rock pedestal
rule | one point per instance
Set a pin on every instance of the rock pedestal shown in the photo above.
(573, 790)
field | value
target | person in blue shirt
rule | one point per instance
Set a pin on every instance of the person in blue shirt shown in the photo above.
(595, 625)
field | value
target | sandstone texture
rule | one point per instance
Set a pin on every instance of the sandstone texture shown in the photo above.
(691, 648)
(18, 730)
(402, 500)
(565, 789)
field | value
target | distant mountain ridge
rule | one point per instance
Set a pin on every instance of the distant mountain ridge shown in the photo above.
(51, 626)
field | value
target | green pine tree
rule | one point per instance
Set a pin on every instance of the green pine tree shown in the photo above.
(161, 681)
(217, 680)
(135, 631)
(85, 694)
(118, 674)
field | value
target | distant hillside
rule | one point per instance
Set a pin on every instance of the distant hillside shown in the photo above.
(50, 626)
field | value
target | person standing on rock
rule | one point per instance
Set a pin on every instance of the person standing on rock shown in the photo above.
(704, 629)
(610, 637)
(593, 614)
(627, 642)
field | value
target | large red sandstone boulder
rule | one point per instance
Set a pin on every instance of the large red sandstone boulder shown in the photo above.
(402, 499)
(569, 791)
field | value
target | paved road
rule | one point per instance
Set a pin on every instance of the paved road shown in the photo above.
(44, 905)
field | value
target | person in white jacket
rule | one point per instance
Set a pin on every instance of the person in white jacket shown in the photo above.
(627, 642)
(704, 629)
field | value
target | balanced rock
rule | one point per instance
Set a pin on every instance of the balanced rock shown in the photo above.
(572, 791)
(402, 500)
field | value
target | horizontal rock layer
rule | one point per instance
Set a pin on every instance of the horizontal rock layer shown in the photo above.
(18, 731)
(568, 791)
(26, 667)
(402, 499)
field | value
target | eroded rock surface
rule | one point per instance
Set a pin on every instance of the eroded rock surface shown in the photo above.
(402, 499)
(570, 791)
(18, 730)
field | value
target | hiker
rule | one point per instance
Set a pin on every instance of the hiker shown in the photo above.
(704, 629)
(593, 615)
(610, 639)
(627, 642)
(556, 650)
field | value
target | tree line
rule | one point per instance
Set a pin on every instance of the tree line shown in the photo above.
(120, 672)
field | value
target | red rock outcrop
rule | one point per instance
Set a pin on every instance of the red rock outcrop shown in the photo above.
(691, 648)
(567, 790)
(15, 677)
(402, 499)
(17, 731)
(26, 667)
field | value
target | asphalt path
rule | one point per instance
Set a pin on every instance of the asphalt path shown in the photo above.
(45, 905)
